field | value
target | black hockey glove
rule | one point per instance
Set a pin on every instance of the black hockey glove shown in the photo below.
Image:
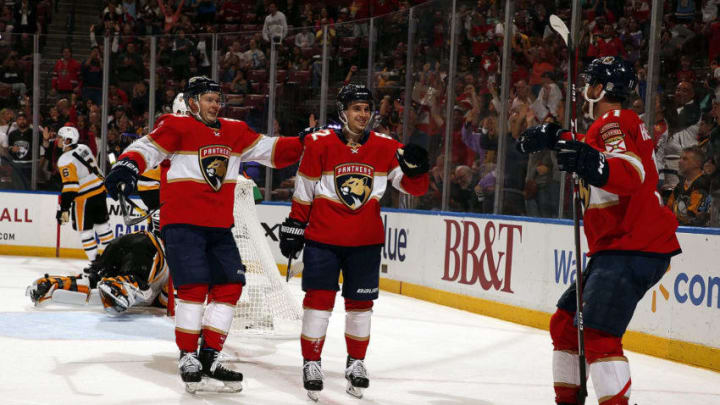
(62, 216)
(539, 137)
(413, 160)
(292, 237)
(583, 159)
(122, 178)
(309, 130)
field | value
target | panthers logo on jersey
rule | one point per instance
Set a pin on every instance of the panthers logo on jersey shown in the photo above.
(213, 163)
(354, 184)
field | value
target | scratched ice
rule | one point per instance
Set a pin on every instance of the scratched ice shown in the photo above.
(420, 353)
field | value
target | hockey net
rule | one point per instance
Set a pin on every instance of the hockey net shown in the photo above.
(267, 307)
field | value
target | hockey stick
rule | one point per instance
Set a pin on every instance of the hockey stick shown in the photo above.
(126, 207)
(559, 26)
(287, 272)
(57, 238)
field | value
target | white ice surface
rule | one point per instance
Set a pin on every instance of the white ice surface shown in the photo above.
(420, 353)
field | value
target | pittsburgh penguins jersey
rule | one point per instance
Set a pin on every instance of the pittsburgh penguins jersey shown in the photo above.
(626, 214)
(199, 175)
(338, 187)
(80, 175)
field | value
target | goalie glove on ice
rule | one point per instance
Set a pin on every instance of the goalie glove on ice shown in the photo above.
(539, 137)
(292, 237)
(581, 158)
(123, 175)
(413, 160)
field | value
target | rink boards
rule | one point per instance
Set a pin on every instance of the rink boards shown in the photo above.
(507, 267)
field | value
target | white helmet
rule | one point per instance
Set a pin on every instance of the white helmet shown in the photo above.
(69, 133)
(179, 106)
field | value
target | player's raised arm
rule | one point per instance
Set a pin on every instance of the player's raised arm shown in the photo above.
(411, 174)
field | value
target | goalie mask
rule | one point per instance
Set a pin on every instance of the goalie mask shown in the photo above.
(69, 134)
(615, 75)
(349, 94)
(196, 87)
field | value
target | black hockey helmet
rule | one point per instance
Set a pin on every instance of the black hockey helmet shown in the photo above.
(354, 92)
(615, 74)
(199, 85)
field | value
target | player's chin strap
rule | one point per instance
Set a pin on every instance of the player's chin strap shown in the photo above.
(346, 127)
(591, 101)
(199, 117)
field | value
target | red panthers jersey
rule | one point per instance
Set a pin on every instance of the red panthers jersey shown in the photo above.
(339, 186)
(627, 214)
(201, 165)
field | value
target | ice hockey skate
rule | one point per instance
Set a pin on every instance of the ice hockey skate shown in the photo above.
(215, 376)
(357, 377)
(190, 371)
(312, 378)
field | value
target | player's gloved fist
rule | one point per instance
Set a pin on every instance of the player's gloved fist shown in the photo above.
(583, 159)
(122, 178)
(292, 237)
(539, 137)
(308, 131)
(62, 216)
(413, 160)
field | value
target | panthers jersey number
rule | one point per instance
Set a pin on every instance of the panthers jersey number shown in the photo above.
(322, 132)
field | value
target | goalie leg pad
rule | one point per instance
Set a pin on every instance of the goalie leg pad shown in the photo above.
(118, 293)
(189, 315)
(318, 306)
(357, 327)
(60, 289)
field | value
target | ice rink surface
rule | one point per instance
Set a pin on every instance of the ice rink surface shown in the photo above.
(420, 353)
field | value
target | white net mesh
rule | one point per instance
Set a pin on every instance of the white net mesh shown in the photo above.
(267, 307)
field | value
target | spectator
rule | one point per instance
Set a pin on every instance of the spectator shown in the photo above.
(688, 108)
(92, 75)
(239, 84)
(13, 75)
(305, 39)
(231, 12)
(462, 193)
(140, 99)
(7, 125)
(254, 58)
(548, 103)
(171, 19)
(690, 198)
(542, 185)
(685, 72)
(608, 43)
(20, 146)
(25, 18)
(65, 73)
(131, 68)
(541, 64)
(275, 26)
(206, 10)
(182, 48)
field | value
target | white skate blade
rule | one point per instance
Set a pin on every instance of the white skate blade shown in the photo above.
(357, 392)
(212, 385)
(314, 395)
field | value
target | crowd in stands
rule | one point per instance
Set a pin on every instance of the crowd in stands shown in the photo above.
(686, 129)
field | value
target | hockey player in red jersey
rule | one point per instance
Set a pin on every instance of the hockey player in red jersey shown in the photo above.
(201, 156)
(335, 215)
(630, 234)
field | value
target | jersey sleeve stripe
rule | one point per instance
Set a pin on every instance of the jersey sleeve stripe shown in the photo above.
(633, 160)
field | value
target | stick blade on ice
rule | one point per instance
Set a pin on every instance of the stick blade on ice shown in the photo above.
(559, 26)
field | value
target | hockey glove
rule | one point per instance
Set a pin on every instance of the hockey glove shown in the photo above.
(292, 237)
(539, 137)
(62, 216)
(309, 131)
(122, 178)
(583, 159)
(413, 160)
(119, 293)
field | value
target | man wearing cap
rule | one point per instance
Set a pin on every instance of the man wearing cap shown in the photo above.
(20, 146)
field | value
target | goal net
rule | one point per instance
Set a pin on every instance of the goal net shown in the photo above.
(267, 307)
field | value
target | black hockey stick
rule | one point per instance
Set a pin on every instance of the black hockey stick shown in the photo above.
(559, 26)
(287, 272)
(126, 207)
